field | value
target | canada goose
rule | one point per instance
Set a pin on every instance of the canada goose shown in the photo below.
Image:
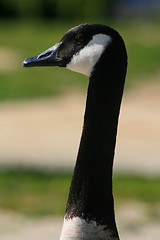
(99, 52)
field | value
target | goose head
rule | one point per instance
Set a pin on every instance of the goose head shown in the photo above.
(79, 49)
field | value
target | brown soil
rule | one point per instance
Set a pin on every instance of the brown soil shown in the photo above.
(34, 133)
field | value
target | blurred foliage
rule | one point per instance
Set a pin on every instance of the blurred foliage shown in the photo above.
(23, 39)
(39, 193)
(63, 9)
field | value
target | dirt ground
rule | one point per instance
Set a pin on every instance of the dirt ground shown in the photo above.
(33, 133)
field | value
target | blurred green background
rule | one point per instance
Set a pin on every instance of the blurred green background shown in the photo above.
(28, 28)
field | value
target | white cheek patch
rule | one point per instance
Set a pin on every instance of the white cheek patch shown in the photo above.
(78, 229)
(85, 60)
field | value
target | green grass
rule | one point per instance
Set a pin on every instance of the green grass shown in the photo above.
(139, 188)
(27, 39)
(36, 193)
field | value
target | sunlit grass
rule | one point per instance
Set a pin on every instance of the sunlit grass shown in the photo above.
(33, 193)
(136, 187)
(32, 37)
(38, 193)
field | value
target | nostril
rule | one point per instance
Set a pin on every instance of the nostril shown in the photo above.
(44, 55)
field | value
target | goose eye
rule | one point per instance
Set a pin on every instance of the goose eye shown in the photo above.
(79, 39)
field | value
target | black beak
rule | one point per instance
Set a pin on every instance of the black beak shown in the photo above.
(47, 58)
